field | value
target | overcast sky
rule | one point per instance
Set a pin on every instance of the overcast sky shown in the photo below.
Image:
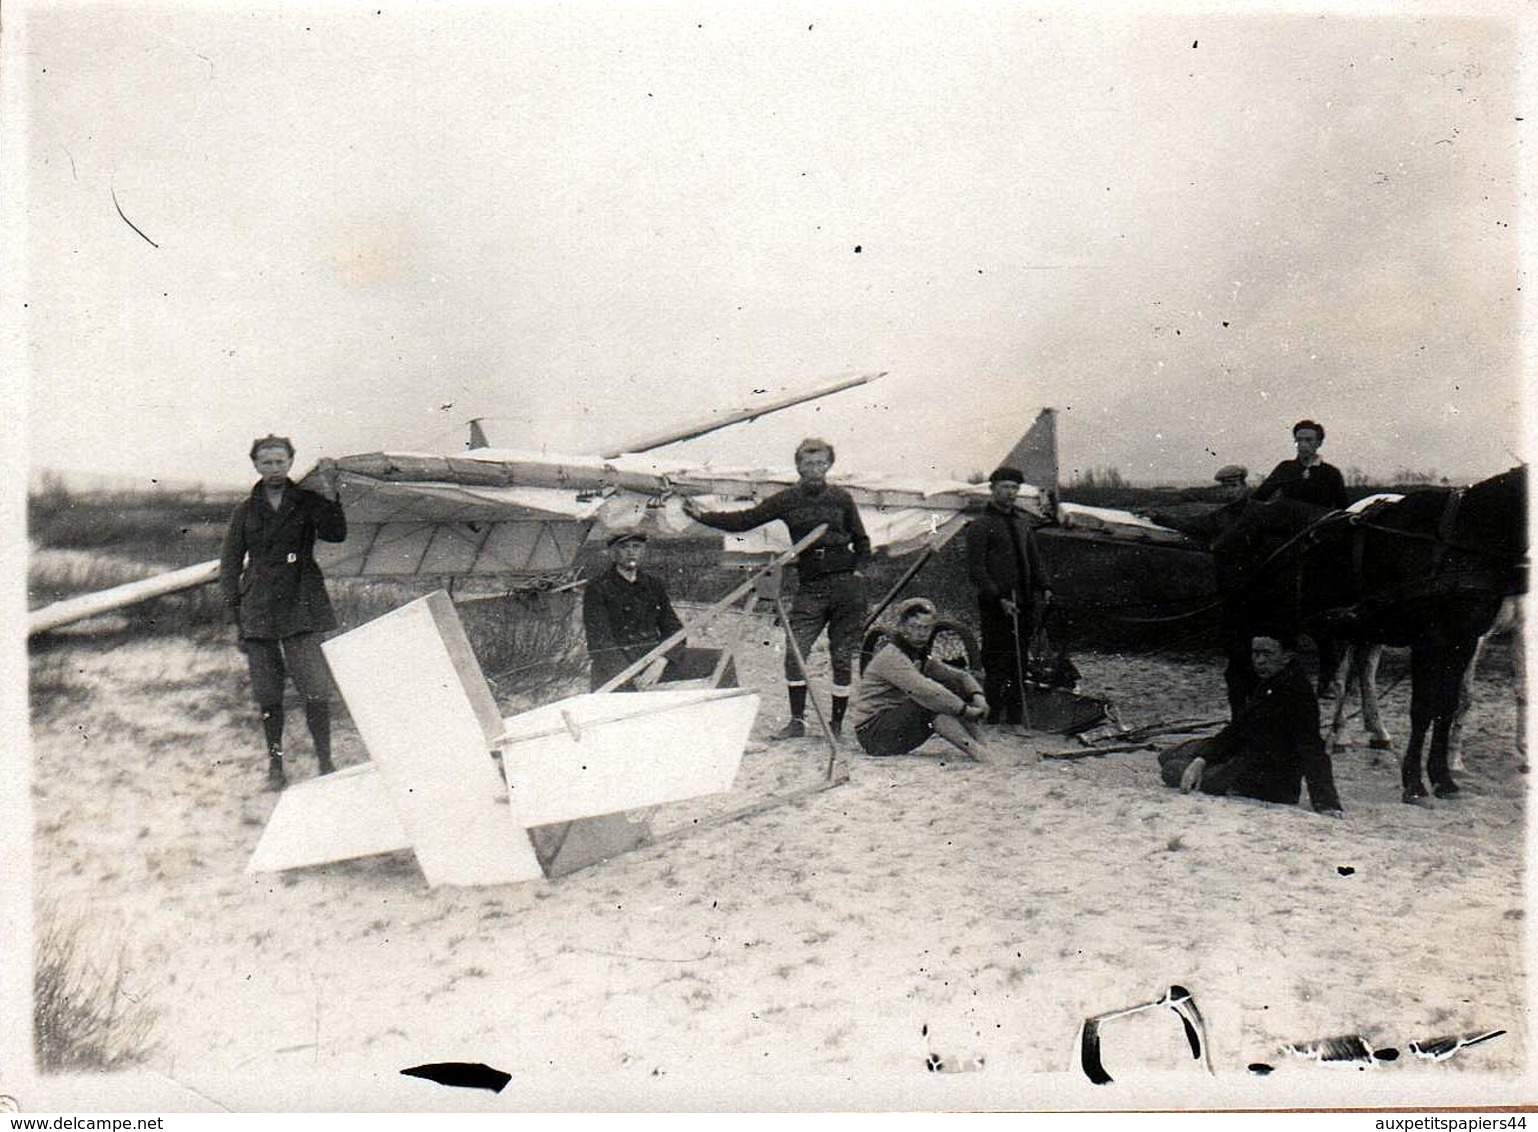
(373, 222)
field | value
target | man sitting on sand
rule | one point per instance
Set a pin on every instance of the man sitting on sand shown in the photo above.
(1272, 746)
(906, 695)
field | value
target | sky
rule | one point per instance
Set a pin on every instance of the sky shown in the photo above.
(361, 225)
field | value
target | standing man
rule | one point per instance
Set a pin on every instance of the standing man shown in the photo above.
(626, 613)
(276, 596)
(1203, 521)
(1012, 584)
(830, 594)
(1308, 479)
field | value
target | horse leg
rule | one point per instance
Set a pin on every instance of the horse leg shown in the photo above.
(1461, 711)
(1452, 671)
(1332, 668)
(1413, 788)
(1436, 761)
(1338, 721)
(1367, 680)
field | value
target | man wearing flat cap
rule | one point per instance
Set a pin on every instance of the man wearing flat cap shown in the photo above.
(626, 613)
(1203, 521)
(276, 597)
(1233, 481)
(1012, 584)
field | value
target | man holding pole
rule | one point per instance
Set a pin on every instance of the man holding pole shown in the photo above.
(830, 594)
(1007, 568)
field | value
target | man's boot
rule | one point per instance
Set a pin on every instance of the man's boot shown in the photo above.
(836, 718)
(276, 779)
(794, 729)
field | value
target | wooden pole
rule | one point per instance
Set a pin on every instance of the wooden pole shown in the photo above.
(105, 601)
(689, 432)
(943, 535)
(795, 652)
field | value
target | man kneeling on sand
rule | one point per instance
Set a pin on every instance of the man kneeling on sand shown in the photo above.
(1272, 746)
(906, 695)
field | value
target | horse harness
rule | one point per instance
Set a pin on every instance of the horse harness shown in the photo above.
(1439, 582)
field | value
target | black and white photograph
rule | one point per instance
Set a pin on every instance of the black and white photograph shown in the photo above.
(690, 556)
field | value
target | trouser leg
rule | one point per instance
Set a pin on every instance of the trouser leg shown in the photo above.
(808, 617)
(307, 665)
(846, 619)
(317, 716)
(1000, 682)
(264, 659)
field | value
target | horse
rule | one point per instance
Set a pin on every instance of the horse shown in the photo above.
(1428, 572)
(1359, 668)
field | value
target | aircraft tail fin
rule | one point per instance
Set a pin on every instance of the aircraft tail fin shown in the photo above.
(477, 435)
(1035, 453)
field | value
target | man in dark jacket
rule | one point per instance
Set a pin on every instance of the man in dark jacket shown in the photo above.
(626, 613)
(1308, 479)
(830, 594)
(275, 594)
(1271, 748)
(1007, 569)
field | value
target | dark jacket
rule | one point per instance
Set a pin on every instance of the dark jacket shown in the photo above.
(624, 621)
(1003, 557)
(1321, 484)
(267, 571)
(842, 548)
(1273, 747)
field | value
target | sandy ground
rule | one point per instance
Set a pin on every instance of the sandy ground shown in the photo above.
(826, 951)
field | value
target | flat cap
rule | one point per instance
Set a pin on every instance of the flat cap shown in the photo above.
(914, 605)
(1012, 475)
(626, 536)
(1231, 472)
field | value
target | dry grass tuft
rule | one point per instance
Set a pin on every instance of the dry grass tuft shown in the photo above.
(51, 686)
(83, 1019)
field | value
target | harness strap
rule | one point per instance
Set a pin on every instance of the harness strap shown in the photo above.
(1445, 528)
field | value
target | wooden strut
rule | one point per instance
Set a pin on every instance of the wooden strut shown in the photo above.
(748, 811)
(795, 651)
(577, 729)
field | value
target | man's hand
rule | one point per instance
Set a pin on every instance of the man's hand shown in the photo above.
(648, 677)
(692, 508)
(326, 478)
(975, 708)
(1008, 605)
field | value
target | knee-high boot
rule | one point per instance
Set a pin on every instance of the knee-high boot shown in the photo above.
(272, 731)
